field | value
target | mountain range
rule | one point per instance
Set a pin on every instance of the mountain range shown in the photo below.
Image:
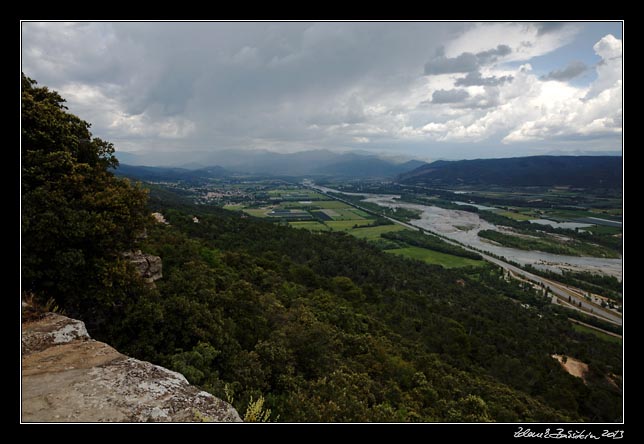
(314, 163)
(576, 171)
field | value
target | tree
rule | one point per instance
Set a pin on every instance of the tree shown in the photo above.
(77, 217)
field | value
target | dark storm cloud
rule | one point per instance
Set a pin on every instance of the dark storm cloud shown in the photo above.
(492, 55)
(449, 96)
(572, 70)
(465, 62)
(476, 79)
(440, 64)
(233, 83)
(547, 27)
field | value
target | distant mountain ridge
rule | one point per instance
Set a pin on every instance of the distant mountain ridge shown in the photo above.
(366, 166)
(170, 174)
(315, 163)
(576, 171)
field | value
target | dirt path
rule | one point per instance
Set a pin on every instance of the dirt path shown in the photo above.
(573, 366)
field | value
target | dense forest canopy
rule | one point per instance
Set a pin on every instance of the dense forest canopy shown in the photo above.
(77, 217)
(323, 326)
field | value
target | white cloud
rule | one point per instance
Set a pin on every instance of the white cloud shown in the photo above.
(529, 109)
(570, 112)
(104, 110)
(609, 69)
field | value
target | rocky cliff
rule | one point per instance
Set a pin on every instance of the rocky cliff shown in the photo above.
(148, 266)
(69, 377)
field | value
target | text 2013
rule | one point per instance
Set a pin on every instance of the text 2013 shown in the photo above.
(567, 434)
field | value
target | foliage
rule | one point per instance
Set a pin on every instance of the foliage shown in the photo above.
(292, 316)
(577, 171)
(76, 216)
(606, 240)
(547, 244)
(255, 412)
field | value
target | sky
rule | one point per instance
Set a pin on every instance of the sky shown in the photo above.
(427, 90)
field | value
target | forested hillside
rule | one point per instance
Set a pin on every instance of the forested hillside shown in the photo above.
(576, 171)
(323, 326)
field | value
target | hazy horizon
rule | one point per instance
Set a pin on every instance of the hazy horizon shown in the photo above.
(200, 159)
(410, 90)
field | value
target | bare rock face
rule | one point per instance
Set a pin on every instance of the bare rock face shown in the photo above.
(160, 218)
(148, 266)
(69, 377)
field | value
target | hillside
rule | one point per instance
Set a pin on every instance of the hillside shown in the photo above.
(575, 171)
(325, 337)
(155, 174)
(366, 166)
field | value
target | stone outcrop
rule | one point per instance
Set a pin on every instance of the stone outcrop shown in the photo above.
(148, 266)
(160, 218)
(69, 377)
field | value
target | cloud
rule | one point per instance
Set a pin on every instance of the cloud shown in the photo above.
(531, 109)
(491, 55)
(465, 62)
(608, 47)
(609, 69)
(449, 96)
(547, 27)
(175, 86)
(440, 64)
(180, 86)
(476, 79)
(523, 38)
(572, 70)
(570, 113)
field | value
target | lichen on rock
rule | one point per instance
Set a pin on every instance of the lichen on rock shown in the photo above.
(69, 377)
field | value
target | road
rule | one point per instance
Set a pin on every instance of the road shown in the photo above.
(561, 291)
(569, 296)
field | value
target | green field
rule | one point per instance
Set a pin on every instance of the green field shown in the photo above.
(599, 334)
(613, 211)
(293, 204)
(331, 204)
(602, 229)
(373, 233)
(295, 212)
(576, 214)
(345, 225)
(312, 226)
(360, 212)
(344, 214)
(435, 257)
(331, 213)
(515, 216)
(234, 207)
(257, 212)
(295, 193)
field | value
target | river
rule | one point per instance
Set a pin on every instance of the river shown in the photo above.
(463, 226)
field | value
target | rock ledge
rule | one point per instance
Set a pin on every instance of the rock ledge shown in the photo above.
(69, 377)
